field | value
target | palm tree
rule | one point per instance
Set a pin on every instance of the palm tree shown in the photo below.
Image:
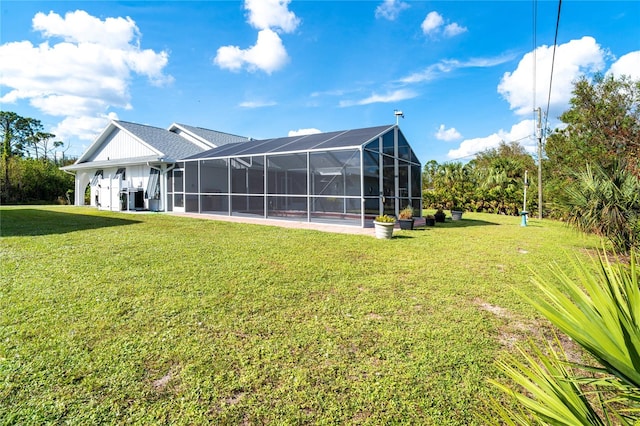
(606, 204)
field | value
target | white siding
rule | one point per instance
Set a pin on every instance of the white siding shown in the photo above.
(118, 145)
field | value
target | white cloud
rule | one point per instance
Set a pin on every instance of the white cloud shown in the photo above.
(522, 132)
(256, 104)
(80, 27)
(453, 30)
(302, 132)
(390, 9)
(83, 76)
(394, 96)
(336, 92)
(445, 134)
(271, 14)
(432, 22)
(269, 53)
(85, 128)
(628, 64)
(448, 65)
(572, 59)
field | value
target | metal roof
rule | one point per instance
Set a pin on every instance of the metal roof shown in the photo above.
(314, 142)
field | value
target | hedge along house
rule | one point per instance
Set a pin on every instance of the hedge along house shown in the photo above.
(345, 177)
(126, 167)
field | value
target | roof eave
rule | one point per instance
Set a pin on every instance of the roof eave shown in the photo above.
(117, 162)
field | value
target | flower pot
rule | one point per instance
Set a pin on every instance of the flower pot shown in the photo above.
(456, 215)
(384, 230)
(430, 221)
(440, 217)
(406, 224)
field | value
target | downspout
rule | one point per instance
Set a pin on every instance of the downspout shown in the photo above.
(74, 185)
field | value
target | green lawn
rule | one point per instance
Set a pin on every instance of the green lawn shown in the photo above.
(159, 319)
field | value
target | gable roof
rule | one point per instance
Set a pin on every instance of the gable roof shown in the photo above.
(170, 145)
(210, 138)
(314, 142)
(161, 144)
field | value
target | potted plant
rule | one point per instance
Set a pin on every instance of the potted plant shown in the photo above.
(456, 213)
(405, 218)
(440, 216)
(384, 226)
(430, 220)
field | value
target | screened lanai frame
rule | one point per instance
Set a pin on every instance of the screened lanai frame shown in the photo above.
(345, 177)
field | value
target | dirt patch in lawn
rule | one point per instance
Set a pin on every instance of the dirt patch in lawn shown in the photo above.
(515, 330)
(160, 385)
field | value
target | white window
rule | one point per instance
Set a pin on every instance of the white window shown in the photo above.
(96, 178)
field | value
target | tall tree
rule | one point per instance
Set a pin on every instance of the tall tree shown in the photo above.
(22, 136)
(41, 145)
(593, 164)
(602, 127)
(500, 175)
(13, 129)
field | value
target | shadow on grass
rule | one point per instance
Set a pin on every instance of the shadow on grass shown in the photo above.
(33, 222)
(463, 223)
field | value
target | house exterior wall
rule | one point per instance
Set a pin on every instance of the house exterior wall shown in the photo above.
(107, 191)
(120, 145)
(83, 177)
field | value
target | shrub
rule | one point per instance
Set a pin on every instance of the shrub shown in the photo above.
(385, 219)
(601, 313)
(406, 213)
(606, 204)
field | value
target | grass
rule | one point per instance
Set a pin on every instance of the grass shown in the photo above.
(159, 319)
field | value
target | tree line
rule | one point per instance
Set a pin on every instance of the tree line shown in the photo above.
(29, 170)
(590, 170)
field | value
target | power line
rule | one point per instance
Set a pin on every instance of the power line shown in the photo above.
(534, 14)
(546, 115)
(553, 60)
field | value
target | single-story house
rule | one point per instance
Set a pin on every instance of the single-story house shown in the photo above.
(126, 166)
(345, 177)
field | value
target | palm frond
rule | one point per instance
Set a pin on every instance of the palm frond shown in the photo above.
(551, 396)
(600, 311)
(603, 318)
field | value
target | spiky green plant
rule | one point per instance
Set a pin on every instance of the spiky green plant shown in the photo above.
(606, 203)
(601, 313)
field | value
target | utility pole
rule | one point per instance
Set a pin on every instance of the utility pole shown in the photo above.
(539, 135)
(526, 184)
(524, 211)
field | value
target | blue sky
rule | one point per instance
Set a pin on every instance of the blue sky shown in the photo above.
(461, 71)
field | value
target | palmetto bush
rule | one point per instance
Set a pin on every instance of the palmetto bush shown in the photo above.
(601, 313)
(606, 204)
